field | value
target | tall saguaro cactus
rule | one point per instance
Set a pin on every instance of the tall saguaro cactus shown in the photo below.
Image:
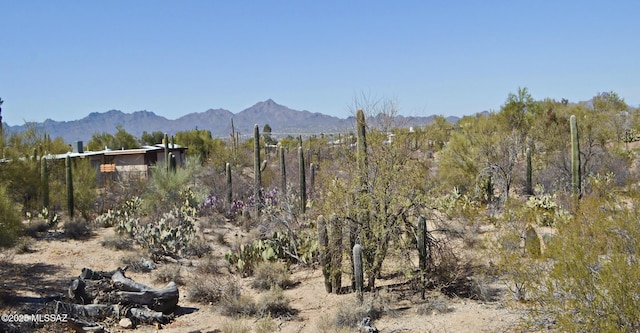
(423, 251)
(303, 181)
(361, 154)
(234, 142)
(69, 179)
(229, 187)
(166, 150)
(44, 179)
(529, 171)
(335, 244)
(283, 173)
(575, 159)
(312, 179)
(325, 253)
(257, 182)
(172, 162)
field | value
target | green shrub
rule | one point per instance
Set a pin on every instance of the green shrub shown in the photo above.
(587, 278)
(10, 223)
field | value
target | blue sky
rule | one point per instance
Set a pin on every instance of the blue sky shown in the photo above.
(65, 59)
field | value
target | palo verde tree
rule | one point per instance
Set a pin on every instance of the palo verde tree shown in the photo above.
(120, 140)
(377, 195)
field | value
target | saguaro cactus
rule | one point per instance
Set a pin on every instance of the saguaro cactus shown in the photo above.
(312, 179)
(529, 181)
(70, 203)
(283, 173)
(234, 145)
(257, 182)
(172, 162)
(575, 159)
(229, 187)
(166, 150)
(303, 180)
(361, 154)
(44, 179)
(357, 270)
(325, 253)
(335, 244)
(423, 251)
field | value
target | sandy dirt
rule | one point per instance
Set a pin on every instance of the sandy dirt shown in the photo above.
(51, 264)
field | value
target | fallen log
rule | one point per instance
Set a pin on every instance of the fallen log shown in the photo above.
(162, 300)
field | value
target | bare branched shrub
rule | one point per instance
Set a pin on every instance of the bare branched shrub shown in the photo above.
(209, 265)
(77, 229)
(197, 247)
(168, 273)
(434, 305)
(117, 243)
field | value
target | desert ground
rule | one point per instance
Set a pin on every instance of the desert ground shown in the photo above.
(46, 265)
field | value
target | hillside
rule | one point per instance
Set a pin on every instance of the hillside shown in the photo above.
(282, 120)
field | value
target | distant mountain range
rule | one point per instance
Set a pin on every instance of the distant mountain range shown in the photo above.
(282, 120)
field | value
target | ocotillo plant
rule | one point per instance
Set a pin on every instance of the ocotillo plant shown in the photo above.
(529, 181)
(357, 270)
(70, 202)
(257, 182)
(229, 187)
(166, 150)
(422, 251)
(325, 253)
(44, 179)
(335, 245)
(303, 180)
(575, 160)
(283, 173)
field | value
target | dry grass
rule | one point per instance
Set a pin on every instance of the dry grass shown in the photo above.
(433, 305)
(168, 273)
(274, 303)
(351, 313)
(117, 243)
(235, 326)
(271, 274)
(266, 325)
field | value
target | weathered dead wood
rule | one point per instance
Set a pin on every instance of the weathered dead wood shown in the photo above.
(77, 291)
(92, 311)
(83, 326)
(89, 274)
(163, 300)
